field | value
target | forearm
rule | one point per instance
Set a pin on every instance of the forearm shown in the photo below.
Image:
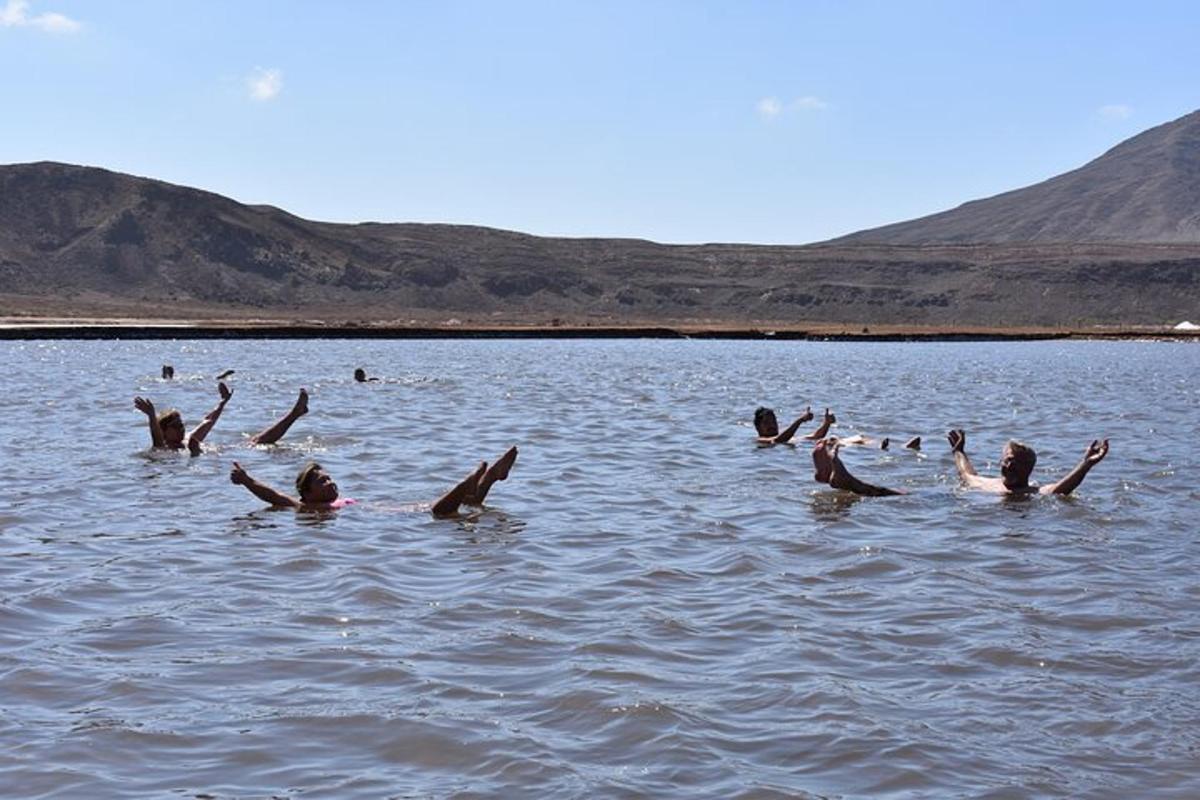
(156, 437)
(963, 463)
(788, 434)
(269, 495)
(820, 432)
(208, 422)
(1072, 480)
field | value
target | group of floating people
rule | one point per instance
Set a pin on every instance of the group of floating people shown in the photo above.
(317, 491)
(315, 488)
(1017, 460)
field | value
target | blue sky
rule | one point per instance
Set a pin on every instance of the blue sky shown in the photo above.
(769, 122)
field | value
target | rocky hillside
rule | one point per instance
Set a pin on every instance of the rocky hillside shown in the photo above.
(1146, 189)
(85, 241)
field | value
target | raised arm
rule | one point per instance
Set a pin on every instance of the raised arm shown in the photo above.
(958, 446)
(261, 490)
(144, 405)
(1094, 454)
(786, 435)
(826, 421)
(274, 433)
(211, 417)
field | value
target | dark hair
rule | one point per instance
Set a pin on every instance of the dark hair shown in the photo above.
(305, 476)
(760, 414)
(1023, 452)
(360, 375)
(167, 416)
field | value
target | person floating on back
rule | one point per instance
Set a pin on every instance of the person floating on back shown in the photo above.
(317, 492)
(167, 429)
(360, 375)
(274, 433)
(767, 426)
(831, 470)
(1016, 463)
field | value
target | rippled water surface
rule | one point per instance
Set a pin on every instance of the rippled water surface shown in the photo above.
(649, 606)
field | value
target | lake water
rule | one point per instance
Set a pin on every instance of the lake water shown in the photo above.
(651, 606)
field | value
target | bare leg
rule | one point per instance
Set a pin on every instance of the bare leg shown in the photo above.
(498, 472)
(913, 443)
(840, 478)
(274, 433)
(448, 504)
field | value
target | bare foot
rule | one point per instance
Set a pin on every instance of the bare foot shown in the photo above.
(301, 407)
(822, 461)
(913, 443)
(471, 484)
(884, 444)
(502, 466)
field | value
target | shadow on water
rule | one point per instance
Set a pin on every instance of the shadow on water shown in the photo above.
(833, 506)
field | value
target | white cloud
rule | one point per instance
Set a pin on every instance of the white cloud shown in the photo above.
(264, 84)
(769, 107)
(1116, 111)
(15, 14)
(810, 103)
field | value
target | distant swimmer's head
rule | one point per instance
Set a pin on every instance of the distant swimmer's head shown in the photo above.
(168, 372)
(765, 422)
(171, 425)
(314, 485)
(360, 375)
(1016, 464)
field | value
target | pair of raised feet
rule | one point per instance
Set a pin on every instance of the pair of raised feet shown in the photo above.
(481, 480)
(472, 489)
(912, 444)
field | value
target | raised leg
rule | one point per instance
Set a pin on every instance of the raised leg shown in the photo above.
(498, 472)
(448, 504)
(274, 433)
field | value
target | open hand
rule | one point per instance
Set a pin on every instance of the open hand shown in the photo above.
(144, 405)
(1095, 452)
(225, 391)
(238, 475)
(958, 440)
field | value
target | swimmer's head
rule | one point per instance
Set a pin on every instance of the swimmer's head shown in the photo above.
(360, 375)
(171, 425)
(1016, 464)
(765, 422)
(314, 485)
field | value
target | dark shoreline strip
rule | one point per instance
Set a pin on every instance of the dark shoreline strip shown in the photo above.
(85, 332)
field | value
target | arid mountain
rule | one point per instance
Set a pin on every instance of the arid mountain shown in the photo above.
(80, 241)
(1146, 189)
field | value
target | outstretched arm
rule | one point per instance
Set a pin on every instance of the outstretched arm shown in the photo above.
(795, 426)
(146, 407)
(261, 490)
(826, 421)
(211, 417)
(1094, 454)
(274, 433)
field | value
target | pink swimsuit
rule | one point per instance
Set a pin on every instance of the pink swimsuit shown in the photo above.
(342, 502)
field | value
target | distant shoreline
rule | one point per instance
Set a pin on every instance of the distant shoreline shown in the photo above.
(125, 328)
